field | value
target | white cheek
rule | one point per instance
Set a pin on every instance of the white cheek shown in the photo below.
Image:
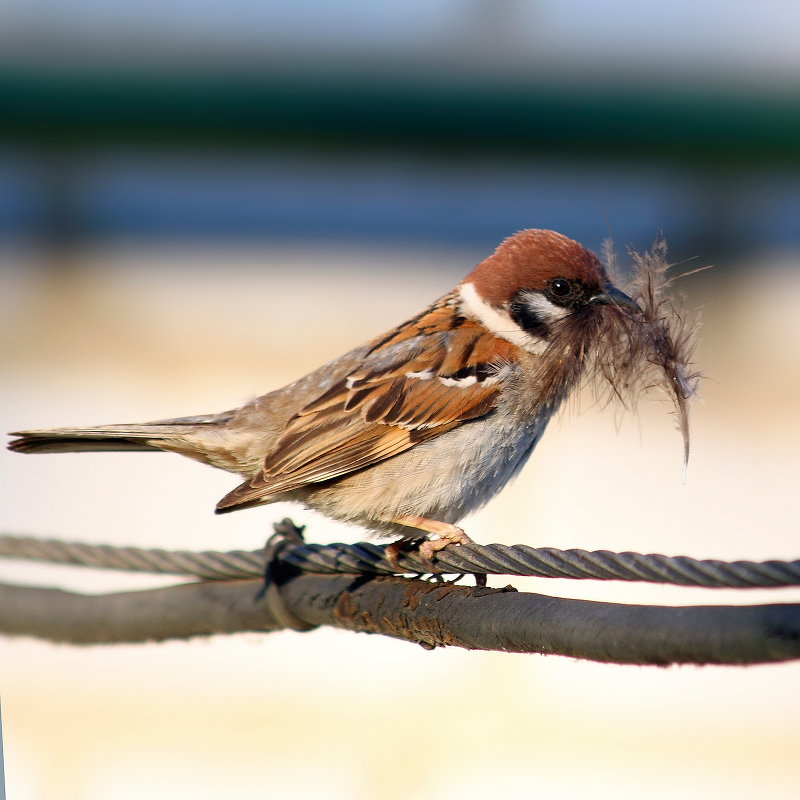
(499, 322)
(548, 311)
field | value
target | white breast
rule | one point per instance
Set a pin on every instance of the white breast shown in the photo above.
(444, 479)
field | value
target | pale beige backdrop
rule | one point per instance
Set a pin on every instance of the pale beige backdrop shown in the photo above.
(136, 335)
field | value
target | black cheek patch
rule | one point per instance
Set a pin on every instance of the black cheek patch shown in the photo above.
(528, 319)
(484, 371)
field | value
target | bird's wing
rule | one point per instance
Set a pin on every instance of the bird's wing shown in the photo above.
(432, 374)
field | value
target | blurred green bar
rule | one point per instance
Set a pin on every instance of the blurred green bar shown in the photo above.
(706, 126)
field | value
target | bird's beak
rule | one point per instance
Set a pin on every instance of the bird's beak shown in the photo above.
(612, 296)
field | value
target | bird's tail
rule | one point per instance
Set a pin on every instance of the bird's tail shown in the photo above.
(161, 435)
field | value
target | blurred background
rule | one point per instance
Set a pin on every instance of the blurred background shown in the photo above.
(202, 201)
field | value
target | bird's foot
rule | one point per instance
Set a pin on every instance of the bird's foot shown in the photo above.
(446, 534)
(450, 535)
(393, 550)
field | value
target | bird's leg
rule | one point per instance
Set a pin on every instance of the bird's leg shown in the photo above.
(446, 531)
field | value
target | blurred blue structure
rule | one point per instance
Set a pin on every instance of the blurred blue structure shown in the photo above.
(455, 121)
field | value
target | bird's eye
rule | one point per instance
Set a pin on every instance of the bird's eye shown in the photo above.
(560, 287)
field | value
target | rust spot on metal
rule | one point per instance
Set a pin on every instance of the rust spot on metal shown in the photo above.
(345, 606)
(411, 596)
(445, 591)
(426, 631)
(411, 616)
(367, 621)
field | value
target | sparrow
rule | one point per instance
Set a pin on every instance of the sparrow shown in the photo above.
(410, 432)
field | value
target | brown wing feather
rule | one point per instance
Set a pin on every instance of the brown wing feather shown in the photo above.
(418, 382)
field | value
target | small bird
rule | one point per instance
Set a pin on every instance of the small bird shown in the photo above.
(410, 432)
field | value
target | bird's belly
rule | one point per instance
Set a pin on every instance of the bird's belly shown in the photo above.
(445, 478)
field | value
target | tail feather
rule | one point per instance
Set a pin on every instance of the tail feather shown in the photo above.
(78, 440)
(107, 438)
(38, 442)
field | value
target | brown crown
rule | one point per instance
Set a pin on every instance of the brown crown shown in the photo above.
(530, 258)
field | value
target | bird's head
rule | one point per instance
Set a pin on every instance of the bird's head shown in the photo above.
(552, 298)
(534, 281)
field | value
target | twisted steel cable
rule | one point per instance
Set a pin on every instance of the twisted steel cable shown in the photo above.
(211, 565)
(366, 558)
